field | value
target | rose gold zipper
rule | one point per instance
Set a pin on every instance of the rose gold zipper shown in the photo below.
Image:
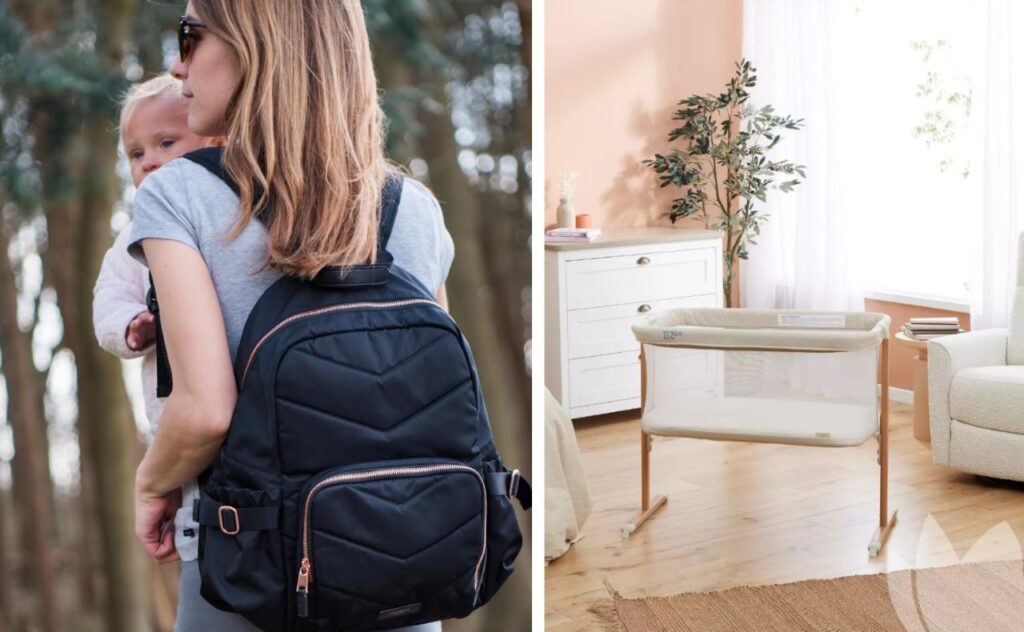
(326, 310)
(306, 567)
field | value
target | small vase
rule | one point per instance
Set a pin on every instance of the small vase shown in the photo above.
(566, 216)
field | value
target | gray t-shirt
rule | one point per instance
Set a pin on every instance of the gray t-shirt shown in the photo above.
(184, 202)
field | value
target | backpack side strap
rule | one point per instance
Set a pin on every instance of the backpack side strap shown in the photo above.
(510, 483)
(230, 520)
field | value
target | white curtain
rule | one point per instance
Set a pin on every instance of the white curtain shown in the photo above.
(1000, 123)
(876, 211)
(805, 257)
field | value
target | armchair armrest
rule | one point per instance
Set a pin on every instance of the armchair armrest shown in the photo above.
(946, 356)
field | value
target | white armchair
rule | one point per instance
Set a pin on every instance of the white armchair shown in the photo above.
(976, 397)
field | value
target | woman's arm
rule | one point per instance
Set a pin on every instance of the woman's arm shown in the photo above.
(198, 412)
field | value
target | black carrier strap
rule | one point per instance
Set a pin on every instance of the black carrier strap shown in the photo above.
(163, 366)
(331, 277)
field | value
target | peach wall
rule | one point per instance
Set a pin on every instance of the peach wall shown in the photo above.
(613, 74)
(902, 357)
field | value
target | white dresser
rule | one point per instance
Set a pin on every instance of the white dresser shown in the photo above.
(594, 291)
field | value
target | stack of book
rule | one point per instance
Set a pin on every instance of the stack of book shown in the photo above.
(571, 235)
(928, 328)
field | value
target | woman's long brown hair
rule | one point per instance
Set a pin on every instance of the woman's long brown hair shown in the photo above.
(305, 128)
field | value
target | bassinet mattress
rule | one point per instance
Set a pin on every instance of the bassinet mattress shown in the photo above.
(767, 329)
(764, 420)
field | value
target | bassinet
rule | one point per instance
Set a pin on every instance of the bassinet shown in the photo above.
(773, 376)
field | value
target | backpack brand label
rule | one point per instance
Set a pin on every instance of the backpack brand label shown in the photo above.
(401, 611)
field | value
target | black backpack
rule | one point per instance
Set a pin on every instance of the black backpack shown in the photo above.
(359, 487)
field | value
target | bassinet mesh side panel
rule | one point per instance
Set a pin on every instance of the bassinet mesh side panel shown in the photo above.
(811, 398)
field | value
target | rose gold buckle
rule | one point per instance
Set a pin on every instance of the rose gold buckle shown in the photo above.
(513, 483)
(220, 519)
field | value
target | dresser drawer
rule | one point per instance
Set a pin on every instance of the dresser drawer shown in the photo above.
(602, 330)
(606, 378)
(640, 277)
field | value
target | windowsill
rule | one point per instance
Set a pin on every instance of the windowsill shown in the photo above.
(921, 300)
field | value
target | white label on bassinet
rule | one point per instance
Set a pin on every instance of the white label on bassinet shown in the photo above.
(837, 321)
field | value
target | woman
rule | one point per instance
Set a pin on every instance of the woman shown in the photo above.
(291, 85)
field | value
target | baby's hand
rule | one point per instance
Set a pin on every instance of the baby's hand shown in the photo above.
(141, 331)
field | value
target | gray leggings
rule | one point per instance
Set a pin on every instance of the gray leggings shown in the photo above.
(196, 615)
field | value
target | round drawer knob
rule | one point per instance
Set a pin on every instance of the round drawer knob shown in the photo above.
(642, 261)
(643, 309)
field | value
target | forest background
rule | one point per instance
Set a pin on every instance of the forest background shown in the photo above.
(455, 78)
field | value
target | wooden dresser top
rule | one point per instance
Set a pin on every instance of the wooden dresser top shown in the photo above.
(611, 237)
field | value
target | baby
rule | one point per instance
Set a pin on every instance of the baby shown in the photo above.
(154, 131)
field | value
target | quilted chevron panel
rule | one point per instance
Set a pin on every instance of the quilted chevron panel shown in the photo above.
(367, 558)
(371, 395)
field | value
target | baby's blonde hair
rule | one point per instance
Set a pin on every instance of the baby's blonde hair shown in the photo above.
(141, 92)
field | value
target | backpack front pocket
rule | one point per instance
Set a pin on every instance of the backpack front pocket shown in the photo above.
(393, 545)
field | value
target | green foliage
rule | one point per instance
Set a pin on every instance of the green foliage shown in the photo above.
(403, 31)
(409, 22)
(723, 163)
(947, 101)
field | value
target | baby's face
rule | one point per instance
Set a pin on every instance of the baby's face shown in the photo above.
(156, 133)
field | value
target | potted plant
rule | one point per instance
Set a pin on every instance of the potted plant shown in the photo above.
(723, 162)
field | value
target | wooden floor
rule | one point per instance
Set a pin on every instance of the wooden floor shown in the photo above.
(744, 514)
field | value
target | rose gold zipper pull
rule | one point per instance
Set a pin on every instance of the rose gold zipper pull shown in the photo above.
(302, 588)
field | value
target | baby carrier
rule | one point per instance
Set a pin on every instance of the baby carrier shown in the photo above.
(359, 486)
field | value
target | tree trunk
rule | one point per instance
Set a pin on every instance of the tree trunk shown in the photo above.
(86, 538)
(6, 620)
(102, 395)
(27, 420)
(59, 165)
(101, 392)
(526, 50)
(72, 260)
(473, 306)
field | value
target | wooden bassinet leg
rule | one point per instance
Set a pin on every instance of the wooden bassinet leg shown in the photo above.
(885, 521)
(647, 508)
(647, 505)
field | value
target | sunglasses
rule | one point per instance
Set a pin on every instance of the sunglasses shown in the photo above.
(187, 37)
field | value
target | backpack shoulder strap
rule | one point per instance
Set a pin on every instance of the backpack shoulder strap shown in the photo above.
(389, 201)
(378, 272)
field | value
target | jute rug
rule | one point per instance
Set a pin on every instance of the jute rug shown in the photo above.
(983, 597)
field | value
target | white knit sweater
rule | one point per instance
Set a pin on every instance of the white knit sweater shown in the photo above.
(118, 297)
